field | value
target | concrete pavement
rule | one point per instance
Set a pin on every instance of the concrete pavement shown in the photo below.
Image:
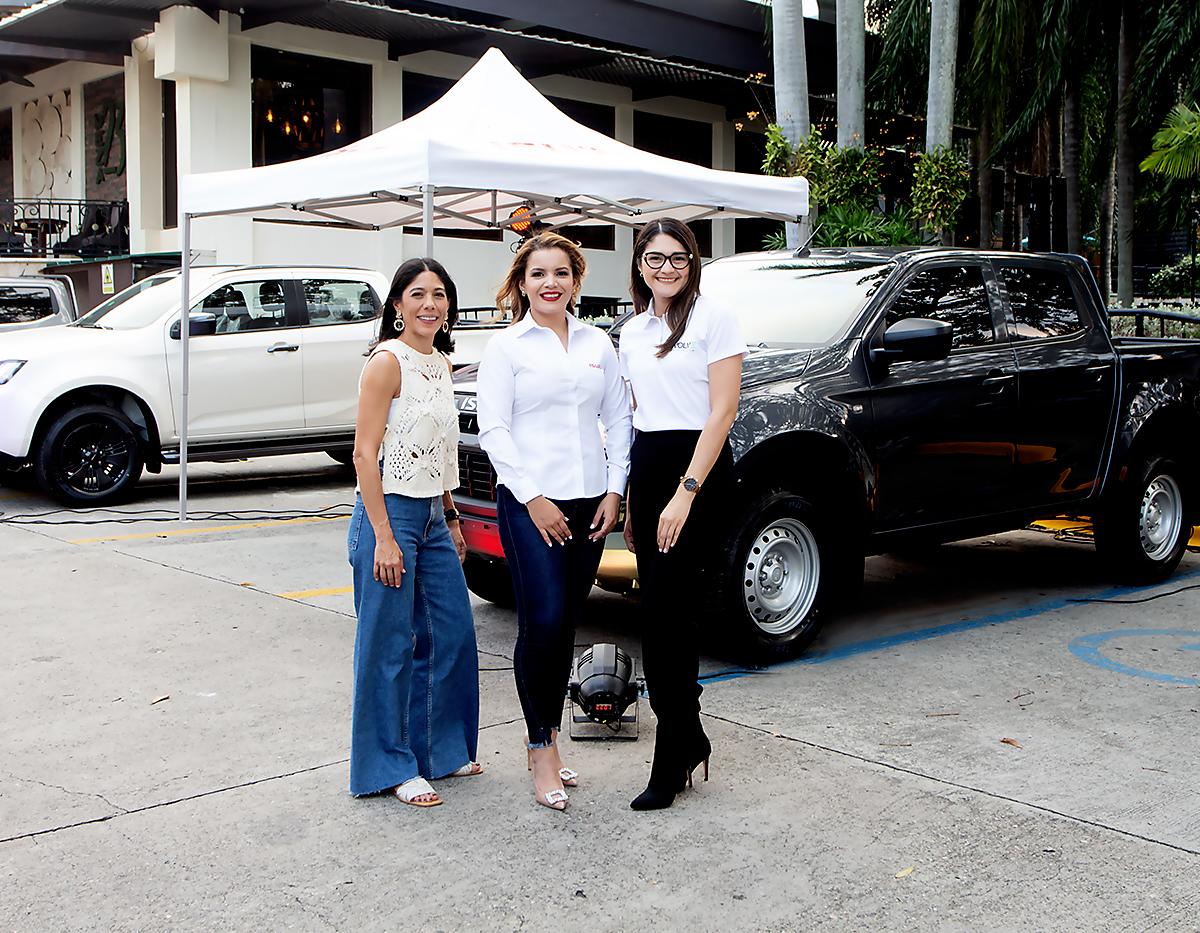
(863, 787)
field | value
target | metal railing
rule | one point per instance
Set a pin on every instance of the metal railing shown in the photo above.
(56, 227)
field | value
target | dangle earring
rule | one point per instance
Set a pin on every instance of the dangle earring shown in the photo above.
(399, 325)
(446, 327)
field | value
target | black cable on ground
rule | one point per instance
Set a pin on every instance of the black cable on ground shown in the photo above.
(1130, 602)
(134, 516)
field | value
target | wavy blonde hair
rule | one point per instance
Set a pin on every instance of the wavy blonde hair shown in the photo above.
(509, 295)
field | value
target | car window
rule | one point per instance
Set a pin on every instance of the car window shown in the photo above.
(140, 304)
(794, 302)
(245, 306)
(953, 294)
(23, 304)
(1042, 301)
(335, 301)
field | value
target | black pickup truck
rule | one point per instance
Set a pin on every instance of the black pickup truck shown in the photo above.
(916, 396)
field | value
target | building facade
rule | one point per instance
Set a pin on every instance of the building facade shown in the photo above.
(130, 95)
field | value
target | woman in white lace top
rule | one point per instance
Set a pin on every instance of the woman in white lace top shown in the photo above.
(416, 672)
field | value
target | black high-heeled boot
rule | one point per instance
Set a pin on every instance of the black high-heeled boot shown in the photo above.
(698, 754)
(667, 776)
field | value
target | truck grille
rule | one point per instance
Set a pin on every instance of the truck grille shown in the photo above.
(476, 478)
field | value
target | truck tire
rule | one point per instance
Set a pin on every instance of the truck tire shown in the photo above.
(787, 565)
(1143, 530)
(90, 454)
(490, 581)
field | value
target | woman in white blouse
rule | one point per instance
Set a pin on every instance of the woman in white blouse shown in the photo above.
(682, 356)
(416, 671)
(545, 385)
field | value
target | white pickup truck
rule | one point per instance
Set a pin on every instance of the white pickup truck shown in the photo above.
(276, 352)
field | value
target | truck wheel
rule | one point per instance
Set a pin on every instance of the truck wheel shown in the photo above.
(787, 563)
(90, 454)
(1143, 531)
(490, 580)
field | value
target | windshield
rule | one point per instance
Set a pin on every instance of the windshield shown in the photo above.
(794, 302)
(140, 304)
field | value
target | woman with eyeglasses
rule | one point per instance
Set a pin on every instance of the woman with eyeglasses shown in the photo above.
(682, 357)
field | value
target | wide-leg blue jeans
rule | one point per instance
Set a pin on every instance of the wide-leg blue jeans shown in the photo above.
(551, 585)
(416, 670)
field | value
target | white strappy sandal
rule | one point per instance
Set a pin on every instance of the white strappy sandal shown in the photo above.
(470, 769)
(410, 790)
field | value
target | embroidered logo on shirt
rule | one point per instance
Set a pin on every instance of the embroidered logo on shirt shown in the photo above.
(595, 365)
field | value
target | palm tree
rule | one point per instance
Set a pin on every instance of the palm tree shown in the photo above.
(1177, 145)
(851, 58)
(1126, 152)
(791, 85)
(943, 52)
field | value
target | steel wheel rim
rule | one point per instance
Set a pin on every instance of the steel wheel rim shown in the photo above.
(94, 457)
(781, 575)
(1160, 518)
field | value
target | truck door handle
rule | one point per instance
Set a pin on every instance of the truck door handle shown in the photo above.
(1098, 371)
(283, 348)
(997, 381)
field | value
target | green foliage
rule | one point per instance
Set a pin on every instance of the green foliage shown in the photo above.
(851, 176)
(941, 182)
(835, 175)
(900, 79)
(776, 239)
(1177, 145)
(856, 225)
(1177, 281)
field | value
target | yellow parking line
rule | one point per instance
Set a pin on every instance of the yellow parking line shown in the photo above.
(244, 526)
(328, 591)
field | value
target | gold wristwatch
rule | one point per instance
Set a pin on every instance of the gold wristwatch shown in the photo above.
(689, 484)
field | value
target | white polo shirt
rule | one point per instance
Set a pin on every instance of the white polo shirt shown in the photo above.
(541, 407)
(671, 393)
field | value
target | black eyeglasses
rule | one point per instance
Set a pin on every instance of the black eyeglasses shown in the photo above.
(656, 260)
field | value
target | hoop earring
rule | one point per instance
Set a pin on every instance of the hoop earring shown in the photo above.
(445, 327)
(399, 325)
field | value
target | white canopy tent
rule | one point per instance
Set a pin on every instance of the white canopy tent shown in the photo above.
(490, 153)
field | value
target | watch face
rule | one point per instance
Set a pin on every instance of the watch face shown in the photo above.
(690, 484)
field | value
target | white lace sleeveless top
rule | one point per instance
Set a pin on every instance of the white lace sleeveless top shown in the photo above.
(420, 444)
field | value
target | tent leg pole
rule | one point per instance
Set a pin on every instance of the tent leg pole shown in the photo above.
(185, 332)
(427, 218)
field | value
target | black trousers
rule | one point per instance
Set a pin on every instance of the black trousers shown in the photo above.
(672, 584)
(551, 585)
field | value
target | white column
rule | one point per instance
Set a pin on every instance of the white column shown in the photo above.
(623, 128)
(76, 188)
(723, 157)
(144, 151)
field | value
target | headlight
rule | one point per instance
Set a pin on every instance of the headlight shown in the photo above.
(9, 368)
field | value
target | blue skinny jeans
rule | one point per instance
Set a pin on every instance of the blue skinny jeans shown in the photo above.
(416, 670)
(551, 586)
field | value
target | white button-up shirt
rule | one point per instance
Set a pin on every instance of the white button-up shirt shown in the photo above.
(672, 393)
(540, 409)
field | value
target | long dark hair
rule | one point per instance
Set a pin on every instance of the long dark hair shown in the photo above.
(509, 295)
(403, 278)
(681, 305)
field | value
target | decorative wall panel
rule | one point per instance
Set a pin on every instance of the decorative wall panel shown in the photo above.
(46, 146)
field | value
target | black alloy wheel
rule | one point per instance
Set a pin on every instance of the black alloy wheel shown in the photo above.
(90, 454)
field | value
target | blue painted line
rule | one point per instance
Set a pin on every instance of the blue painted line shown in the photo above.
(868, 646)
(1088, 648)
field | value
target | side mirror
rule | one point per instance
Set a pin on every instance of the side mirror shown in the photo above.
(915, 338)
(200, 324)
